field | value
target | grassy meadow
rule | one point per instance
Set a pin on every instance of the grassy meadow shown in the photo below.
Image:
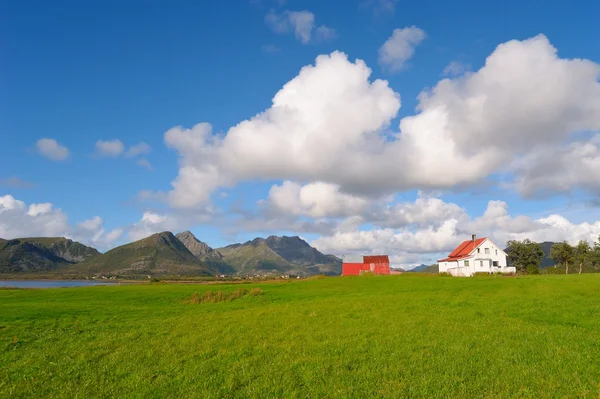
(354, 337)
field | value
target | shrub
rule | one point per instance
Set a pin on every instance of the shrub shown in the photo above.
(195, 298)
(220, 296)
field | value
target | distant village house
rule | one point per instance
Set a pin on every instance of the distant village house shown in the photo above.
(477, 255)
(376, 264)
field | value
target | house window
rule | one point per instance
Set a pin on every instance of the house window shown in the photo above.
(495, 263)
(480, 263)
(496, 252)
(478, 250)
(487, 251)
(467, 263)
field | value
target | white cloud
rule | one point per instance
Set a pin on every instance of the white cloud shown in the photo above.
(324, 33)
(419, 243)
(270, 48)
(109, 148)
(144, 163)
(323, 125)
(400, 47)
(560, 168)
(314, 200)
(301, 23)
(154, 222)
(380, 7)
(17, 220)
(139, 149)
(327, 125)
(455, 68)
(524, 98)
(15, 182)
(51, 149)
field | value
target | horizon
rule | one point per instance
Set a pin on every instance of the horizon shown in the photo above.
(377, 127)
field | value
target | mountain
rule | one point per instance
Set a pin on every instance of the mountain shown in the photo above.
(423, 268)
(197, 247)
(166, 254)
(41, 254)
(290, 255)
(159, 254)
(546, 247)
(207, 255)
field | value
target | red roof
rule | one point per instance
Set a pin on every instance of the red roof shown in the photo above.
(464, 249)
(376, 259)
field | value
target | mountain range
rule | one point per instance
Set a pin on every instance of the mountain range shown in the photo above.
(42, 254)
(167, 254)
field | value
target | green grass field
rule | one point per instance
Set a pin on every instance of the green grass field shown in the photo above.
(395, 336)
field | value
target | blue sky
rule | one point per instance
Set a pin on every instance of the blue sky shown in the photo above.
(79, 72)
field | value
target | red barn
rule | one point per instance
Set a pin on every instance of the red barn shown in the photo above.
(377, 264)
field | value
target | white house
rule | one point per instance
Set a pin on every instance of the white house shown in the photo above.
(477, 255)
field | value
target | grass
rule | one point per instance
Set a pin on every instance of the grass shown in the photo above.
(356, 337)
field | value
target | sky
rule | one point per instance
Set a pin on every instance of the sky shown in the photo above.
(364, 127)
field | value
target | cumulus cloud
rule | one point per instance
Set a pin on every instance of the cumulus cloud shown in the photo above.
(155, 222)
(270, 48)
(455, 68)
(560, 168)
(329, 123)
(301, 23)
(15, 182)
(400, 47)
(380, 7)
(417, 243)
(144, 163)
(321, 126)
(109, 148)
(324, 33)
(138, 149)
(51, 149)
(314, 200)
(19, 220)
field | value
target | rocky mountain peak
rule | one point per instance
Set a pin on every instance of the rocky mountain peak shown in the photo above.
(198, 248)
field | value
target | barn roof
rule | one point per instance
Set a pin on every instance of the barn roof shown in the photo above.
(376, 259)
(464, 249)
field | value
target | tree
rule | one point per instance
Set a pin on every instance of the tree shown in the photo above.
(562, 253)
(582, 252)
(525, 255)
(594, 256)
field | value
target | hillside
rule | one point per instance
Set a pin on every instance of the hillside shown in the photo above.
(41, 254)
(159, 254)
(546, 247)
(426, 268)
(290, 255)
(203, 252)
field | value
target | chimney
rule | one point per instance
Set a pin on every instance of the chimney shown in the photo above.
(473, 237)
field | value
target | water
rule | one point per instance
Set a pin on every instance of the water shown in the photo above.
(50, 283)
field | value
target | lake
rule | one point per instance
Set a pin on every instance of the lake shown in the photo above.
(50, 283)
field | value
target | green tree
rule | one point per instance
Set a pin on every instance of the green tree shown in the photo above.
(563, 253)
(594, 256)
(525, 255)
(582, 252)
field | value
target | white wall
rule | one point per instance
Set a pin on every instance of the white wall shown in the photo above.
(481, 261)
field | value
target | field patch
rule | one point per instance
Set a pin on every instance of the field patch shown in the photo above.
(381, 336)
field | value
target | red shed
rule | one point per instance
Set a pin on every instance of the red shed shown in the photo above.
(377, 264)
